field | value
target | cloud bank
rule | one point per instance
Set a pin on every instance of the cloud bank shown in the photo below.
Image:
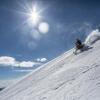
(10, 61)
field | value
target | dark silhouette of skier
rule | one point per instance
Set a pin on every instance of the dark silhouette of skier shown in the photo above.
(78, 45)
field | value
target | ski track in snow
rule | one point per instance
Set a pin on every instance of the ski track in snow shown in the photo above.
(67, 77)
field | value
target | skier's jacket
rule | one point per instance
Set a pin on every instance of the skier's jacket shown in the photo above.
(79, 44)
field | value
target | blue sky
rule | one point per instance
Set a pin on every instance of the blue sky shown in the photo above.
(23, 46)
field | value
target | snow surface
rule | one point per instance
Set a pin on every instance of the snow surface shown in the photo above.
(6, 83)
(67, 77)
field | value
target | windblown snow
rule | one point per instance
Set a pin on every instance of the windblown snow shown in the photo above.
(67, 77)
(93, 37)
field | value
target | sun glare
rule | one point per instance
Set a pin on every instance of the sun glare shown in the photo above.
(34, 16)
(35, 20)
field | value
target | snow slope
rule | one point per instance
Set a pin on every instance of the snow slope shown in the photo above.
(6, 83)
(68, 77)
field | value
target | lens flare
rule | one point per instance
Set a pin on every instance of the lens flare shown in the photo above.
(43, 27)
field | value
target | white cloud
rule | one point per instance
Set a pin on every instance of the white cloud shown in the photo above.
(92, 37)
(26, 63)
(4, 60)
(10, 61)
(42, 60)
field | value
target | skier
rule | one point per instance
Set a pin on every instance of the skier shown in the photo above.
(78, 46)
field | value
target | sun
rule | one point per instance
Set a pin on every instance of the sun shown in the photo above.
(34, 16)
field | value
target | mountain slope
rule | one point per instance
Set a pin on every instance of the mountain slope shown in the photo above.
(6, 83)
(68, 77)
